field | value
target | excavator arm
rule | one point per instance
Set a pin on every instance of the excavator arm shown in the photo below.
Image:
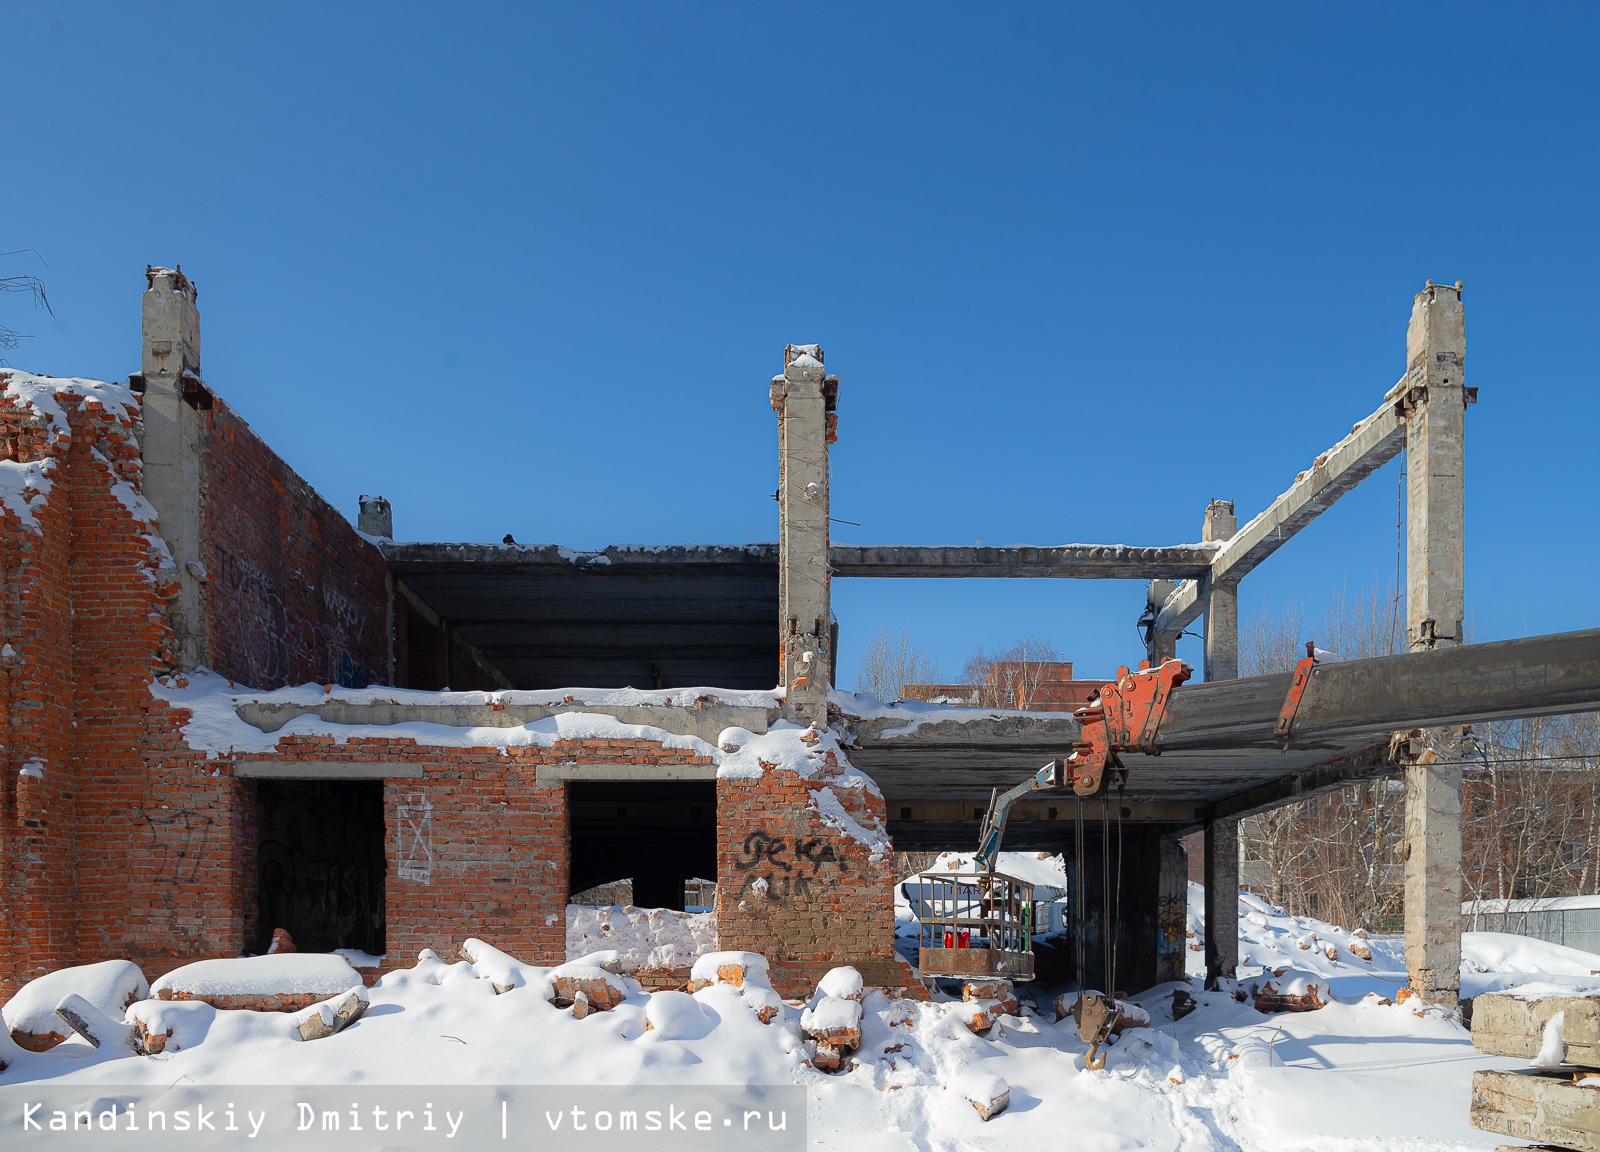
(1125, 715)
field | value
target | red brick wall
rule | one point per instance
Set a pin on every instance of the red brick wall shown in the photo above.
(133, 845)
(294, 595)
(799, 891)
(127, 846)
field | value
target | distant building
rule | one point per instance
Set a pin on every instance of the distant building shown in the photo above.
(1025, 685)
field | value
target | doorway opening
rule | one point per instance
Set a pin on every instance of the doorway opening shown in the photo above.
(320, 863)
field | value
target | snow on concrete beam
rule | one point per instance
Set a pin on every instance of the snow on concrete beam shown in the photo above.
(1370, 445)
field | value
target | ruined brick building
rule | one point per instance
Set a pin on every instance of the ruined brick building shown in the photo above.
(147, 534)
(224, 710)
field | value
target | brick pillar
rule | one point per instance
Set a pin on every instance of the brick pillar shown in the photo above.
(804, 399)
(174, 444)
(1222, 900)
(1222, 602)
(1434, 403)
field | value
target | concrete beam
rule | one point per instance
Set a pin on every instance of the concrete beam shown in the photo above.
(1434, 403)
(1371, 444)
(804, 399)
(706, 722)
(1057, 562)
(554, 775)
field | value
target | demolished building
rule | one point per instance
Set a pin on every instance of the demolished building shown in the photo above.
(226, 710)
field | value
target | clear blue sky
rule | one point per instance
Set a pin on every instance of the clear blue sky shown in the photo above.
(529, 269)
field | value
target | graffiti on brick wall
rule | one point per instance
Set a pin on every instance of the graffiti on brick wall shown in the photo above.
(414, 844)
(177, 837)
(780, 869)
(264, 648)
(274, 644)
(1172, 924)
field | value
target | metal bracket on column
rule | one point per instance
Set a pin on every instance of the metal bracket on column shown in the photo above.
(1297, 691)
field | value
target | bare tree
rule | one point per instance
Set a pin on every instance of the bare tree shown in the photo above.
(1530, 796)
(34, 286)
(890, 663)
(1009, 678)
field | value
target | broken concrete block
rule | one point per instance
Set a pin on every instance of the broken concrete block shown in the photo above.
(843, 983)
(834, 1025)
(30, 1016)
(332, 1015)
(979, 1015)
(1505, 1024)
(1359, 948)
(1534, 1104)
(764, 1002)
(168, 1025)
(828, 1057)
(503, 970)
(1289, 990)
(735, 968)
(1000, 991)
(92, 1024)
(676, 1016)
(600, 990)
(284, 982)
(988, 1095)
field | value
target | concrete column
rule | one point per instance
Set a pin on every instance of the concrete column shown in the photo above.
(376, 519)
(1172, 910)
(174, 443)
(1159, 647)
(804, 399)
(1222, 602)
(1434, 403)
(1222, 900)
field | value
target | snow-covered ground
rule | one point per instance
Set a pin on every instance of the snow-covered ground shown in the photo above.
(1356, 1075)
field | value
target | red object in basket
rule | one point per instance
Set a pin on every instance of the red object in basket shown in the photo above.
(949, 938)
(965, 939)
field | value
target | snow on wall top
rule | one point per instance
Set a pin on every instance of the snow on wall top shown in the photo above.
(24, 481)
(216, 728)
(915, 714)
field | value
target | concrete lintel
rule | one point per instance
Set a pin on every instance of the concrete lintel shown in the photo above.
(551, 775)
(707, 722)
(327, 770)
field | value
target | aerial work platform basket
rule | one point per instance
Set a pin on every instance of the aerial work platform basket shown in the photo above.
(975, 925)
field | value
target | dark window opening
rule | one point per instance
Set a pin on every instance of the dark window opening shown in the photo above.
(320, 862)
(658, 834)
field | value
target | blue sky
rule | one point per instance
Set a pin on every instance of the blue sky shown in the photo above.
(529, 268)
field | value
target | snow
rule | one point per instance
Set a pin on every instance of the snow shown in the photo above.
(109, 986)
(1553, 1045)
(831, 1014)
(282, 973)
(23, 483)
(753, 964)
(1356, 1076)
(1539, 904)
(641, 937)
(915, 714)
(843, 983)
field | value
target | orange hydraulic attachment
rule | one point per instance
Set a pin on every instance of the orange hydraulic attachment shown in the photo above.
(1124, 716)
